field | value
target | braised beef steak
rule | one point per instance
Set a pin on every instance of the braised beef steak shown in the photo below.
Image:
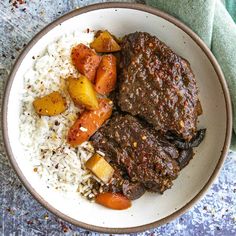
(140, 152)
(157, 85)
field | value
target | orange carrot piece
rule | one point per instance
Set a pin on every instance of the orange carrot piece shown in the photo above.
(106, 75)
(89, 122)
(85, 60)
(114, 201)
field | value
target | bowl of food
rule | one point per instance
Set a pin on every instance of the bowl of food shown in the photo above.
(117, 117)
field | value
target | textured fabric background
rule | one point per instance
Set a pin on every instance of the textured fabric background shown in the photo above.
(20, 214)
(231, 7)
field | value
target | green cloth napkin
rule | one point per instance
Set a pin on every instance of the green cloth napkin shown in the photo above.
(231, 7)
(213, 23)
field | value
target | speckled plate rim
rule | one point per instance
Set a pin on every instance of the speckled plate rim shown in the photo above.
(216, 67)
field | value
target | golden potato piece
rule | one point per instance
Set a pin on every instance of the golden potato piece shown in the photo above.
(105, 43)
(50, 105)
(100, 167)
(82, 92)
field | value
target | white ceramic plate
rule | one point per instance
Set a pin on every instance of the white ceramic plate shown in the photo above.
(152, 209)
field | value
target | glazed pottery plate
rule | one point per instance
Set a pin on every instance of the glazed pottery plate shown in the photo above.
(150, 210)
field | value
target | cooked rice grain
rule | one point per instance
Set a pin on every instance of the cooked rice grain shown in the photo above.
(44, 138)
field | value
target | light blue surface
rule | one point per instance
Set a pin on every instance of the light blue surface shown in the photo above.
(20, 214)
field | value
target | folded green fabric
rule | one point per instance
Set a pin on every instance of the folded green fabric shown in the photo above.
(213, 23)
(231, 7)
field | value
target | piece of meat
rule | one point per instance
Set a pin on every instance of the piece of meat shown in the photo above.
(182, 144)
(145, 156)
(119, 184)
(185, 156)
(133, 191)
(157, 85)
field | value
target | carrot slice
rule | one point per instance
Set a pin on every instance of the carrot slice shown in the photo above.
(85, 60)
(106, 75)
(89, 122)
(114, 201)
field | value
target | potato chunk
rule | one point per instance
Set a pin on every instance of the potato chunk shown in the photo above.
(82, 92)
(105, 43)
(50, 105)
(100, 167)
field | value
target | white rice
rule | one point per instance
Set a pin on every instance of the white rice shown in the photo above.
(44, 138)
